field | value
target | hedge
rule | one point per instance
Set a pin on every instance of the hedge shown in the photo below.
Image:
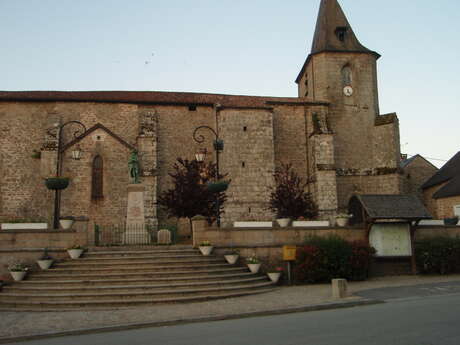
(438, 255)
(324, 258)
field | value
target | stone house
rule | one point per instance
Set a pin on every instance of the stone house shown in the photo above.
(442, 191)
(332, 133)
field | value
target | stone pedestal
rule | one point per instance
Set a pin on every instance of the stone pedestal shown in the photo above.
(136, 232)
(339, 288)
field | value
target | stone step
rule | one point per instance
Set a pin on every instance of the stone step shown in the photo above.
(88, 263)
(50, 305)
(56, 275)
(97, 281)
(108, 258)
(133, 295)
(139, 268)
(129, 288)
(142, 248)
(140, 252)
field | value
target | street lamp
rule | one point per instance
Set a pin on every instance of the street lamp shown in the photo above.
(201, 155)
(61, 148)
(218, 145)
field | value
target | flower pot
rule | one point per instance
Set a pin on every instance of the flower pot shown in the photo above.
(283, 222)
(66, 224)
(57, 183)
(231, 258)
(45, 264)
(451, 221)
(274, 276)
(75, 253)
(254, 268)
(205, 250)
(217, 187)
(341, 222)
(18, 275)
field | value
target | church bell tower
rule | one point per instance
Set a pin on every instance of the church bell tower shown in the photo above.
(340, 70)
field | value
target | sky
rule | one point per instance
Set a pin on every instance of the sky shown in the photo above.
(241, 47)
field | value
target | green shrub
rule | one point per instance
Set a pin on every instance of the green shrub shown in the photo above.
(440, 255)
(326, 258)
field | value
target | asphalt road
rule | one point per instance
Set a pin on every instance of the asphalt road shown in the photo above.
(427, 320)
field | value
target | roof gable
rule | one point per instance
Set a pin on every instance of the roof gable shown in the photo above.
(393, 207)
(449, 171)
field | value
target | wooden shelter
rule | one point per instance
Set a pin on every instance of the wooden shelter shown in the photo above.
(388, 210)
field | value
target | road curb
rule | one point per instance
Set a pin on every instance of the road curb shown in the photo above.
(301, 309)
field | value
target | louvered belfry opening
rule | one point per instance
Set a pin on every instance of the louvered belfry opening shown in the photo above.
(97, 190)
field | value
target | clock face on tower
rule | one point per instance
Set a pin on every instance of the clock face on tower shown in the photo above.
(348, 91)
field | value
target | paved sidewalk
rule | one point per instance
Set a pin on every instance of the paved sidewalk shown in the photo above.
(20, 325)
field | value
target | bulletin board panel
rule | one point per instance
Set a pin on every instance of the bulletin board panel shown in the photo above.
(391, 239)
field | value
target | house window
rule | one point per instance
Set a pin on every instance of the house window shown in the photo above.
(457, 210)
(97, 191)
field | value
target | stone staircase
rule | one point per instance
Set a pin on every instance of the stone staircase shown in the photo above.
(128, 277)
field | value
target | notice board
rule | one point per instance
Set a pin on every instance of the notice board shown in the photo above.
(391, 239)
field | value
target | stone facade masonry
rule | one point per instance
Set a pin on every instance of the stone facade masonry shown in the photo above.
(339, 144)
(440, 208)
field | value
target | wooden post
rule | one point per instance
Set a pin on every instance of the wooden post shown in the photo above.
(413, 228)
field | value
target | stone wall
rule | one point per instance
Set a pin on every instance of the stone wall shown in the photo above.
(440, 208)
(416, 173)
(27, 245)
(249, 160)
(366, 184)
(267, 243)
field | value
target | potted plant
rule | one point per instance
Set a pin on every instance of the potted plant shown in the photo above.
(288, 198)
(274, 273)
(66, 222)
(232, 256)
(45, 261)
(75, 251)
(253, 264)
(451, 221)
(341, 219)
(205, 248)
(57, 182)
(18, 271)
(218, 186)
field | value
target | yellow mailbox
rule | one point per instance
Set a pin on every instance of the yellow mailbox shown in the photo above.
(289, 253)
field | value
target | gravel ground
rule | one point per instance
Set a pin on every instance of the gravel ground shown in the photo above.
(16, 324)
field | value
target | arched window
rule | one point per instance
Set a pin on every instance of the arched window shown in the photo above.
(97, 190)
(347, 76)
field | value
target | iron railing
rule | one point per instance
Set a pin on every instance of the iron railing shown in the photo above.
(124, 235)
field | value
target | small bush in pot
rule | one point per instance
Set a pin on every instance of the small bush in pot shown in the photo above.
(232, 256)
(288, 198)
(45, 260)
(274, 272)
(75, 251)
(451, 221)
(205, 248)
(18, 270)
(253, 263)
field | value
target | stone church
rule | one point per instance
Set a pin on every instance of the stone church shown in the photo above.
(332, 133)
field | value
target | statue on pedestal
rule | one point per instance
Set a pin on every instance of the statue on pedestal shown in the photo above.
(133, 164)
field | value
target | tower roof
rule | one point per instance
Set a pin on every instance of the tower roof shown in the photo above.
(333, 31)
